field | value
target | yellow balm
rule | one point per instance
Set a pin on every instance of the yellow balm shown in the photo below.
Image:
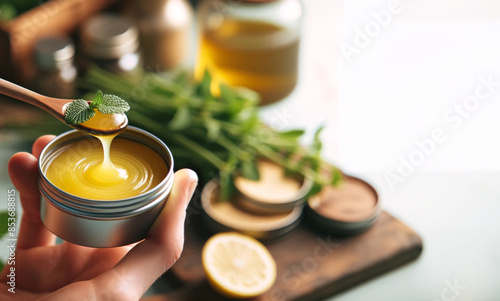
(104, 124)
(79, 169)
(257, 55)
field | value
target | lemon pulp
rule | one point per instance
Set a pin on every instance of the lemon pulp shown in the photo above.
(237, 265)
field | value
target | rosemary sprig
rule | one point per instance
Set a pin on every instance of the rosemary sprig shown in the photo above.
(223, 135)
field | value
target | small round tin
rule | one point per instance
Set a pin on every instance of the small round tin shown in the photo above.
(347, 209)
(96, 223)
(274, 193)
(226, 216)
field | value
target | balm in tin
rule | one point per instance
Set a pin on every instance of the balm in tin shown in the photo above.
(347, 209)
(275, 191)
(95, 222)
(227, 216)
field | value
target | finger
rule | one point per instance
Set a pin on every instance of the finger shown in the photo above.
(147, 261)
(174, 213)
(23, 171)
(40, 143)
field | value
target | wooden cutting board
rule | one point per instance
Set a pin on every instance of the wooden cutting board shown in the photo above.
(310, 266)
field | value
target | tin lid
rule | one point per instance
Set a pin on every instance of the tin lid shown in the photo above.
(274, 192)
(225, 216)
(50, 51)
(349, 208)
(109, 36)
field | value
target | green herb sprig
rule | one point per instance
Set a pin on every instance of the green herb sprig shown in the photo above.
(80, 110)
(4, 229)
(216, 135)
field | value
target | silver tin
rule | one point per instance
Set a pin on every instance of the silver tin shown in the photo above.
(263, 207)
(340, 227)
(103, 223)
(267, 207)
(264, 231)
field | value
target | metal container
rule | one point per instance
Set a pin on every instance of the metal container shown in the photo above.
(56, 72)
(103, 223)
(357, 208)
(267, 228)
(257, 197)
(110, 42)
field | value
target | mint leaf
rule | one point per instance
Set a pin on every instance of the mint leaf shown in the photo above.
(181, 120)
(4, 215)
(292, 134)
(98, 100)
(78, 112)
(204, 85)
(213, 128)
(112, 104)
(249, 170)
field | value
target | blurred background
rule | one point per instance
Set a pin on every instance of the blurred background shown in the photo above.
(408, 91)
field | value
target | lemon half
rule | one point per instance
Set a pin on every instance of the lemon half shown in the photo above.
(237, 265)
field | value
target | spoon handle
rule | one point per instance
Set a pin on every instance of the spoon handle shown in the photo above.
(51, 105)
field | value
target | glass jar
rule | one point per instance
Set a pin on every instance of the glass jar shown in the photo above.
(110, 42)
(250, 43)
(55, 72)
(164, 29)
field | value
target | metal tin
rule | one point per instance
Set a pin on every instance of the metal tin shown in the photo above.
(262, 204)
(56, 73)
(267, 228)
(53, 51)
(110, 42)
(103, 223)
(344, 224)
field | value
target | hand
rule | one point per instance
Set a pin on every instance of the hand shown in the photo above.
(71, 272)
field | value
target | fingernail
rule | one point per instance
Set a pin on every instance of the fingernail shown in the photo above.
(193, 184)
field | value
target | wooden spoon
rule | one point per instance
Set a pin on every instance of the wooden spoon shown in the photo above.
(109, 124)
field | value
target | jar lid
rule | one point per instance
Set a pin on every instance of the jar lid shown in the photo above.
(109, 36)
(274, 192)
(225, 216)
(347, 209)
(52, 50)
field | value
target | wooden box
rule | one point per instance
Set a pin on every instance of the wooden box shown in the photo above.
(18, 36)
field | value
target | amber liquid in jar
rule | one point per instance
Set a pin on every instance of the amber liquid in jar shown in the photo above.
(257, 55)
